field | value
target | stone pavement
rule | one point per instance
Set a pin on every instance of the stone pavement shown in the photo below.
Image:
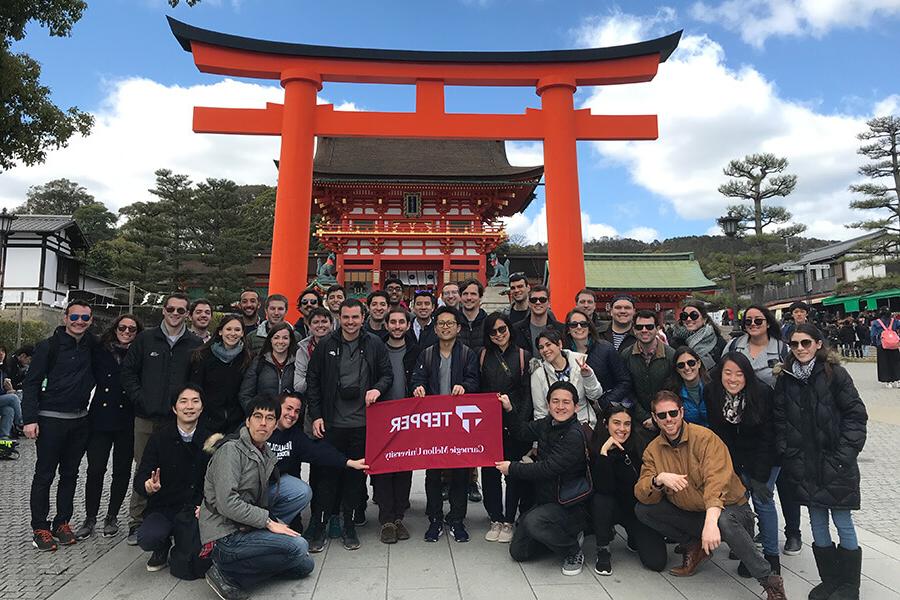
(110, 570)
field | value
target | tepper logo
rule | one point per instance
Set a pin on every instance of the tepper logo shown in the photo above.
(468, 409)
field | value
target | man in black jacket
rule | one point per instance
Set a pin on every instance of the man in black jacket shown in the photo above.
(54, 410)
(422, 327)
(348, 371)
(539, 320)
(170, 478)
(471, 332)
(154, 372)
(619, 333)
(446, 368)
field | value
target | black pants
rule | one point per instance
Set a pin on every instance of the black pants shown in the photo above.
(547, 527)
(607, 511)
(790, 508)
(519, 496)
(349, 485)
(155, 532)
(459, 494)
(391, 492)
(60, 444)
(100, 443)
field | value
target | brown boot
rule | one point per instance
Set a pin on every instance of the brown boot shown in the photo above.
(774, 586)
(692, 558)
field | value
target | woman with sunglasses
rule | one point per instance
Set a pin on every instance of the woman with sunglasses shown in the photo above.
(272, 371)
(504, 369)
(564, 365)
(111, 418)
(739, 407)
(695, 329)
(218, 367)
(688, 381)
(582, 337)
(761, 342)
(820, 425)
(616, 452)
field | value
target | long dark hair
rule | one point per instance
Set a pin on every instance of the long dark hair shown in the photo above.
(773, 329)
(675, 380)
(489, 323)
(205, 350)
(109, 336)
(634, 445)
(267, 345)
(593, 336)
(753, 394)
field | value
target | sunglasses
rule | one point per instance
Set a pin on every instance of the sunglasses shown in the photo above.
(538, 299)
(176, 309)
(805, 343)
(689, 316)
(577, 325)
(668, 413)
(309, 302)
(128, 328)
(645, 326)
(690, 363)
(499, 331)
(84, 318)
(757, 321)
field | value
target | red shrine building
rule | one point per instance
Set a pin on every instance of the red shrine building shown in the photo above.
(425, 211)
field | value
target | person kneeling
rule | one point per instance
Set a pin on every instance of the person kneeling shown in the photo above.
(171, 476)
(249, 547)
(688, 491)
(561, 457)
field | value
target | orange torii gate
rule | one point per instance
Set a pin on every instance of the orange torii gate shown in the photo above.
(302, 69)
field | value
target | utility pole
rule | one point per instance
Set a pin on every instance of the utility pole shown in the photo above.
(131, 297)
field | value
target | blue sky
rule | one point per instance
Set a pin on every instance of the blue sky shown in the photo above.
(795, 78)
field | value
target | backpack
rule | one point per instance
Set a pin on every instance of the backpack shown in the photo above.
(889, 338)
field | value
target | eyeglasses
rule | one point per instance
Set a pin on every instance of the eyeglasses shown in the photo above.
(309, 302)
(446, 324)
(84, 318)
(538, 299)
(668, 413)
(176, 309)
(690, 363)
(499, 331)
(805, 343)
(128, 328)
(689, 316)
(757, 321)
(394, 288)
(577, 325)
(645, 326)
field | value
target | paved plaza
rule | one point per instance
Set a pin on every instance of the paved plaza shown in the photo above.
(102, 569)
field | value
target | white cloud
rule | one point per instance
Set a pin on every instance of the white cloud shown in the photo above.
(757, 20)
(709, 114)
(142, 126)
(644, 234)
(535, 230)
(525, 154)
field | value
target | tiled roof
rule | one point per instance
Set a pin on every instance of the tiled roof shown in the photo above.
(41, 223)
(825, 253)
(637, 272)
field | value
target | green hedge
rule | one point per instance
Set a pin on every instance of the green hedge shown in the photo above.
(32, 332)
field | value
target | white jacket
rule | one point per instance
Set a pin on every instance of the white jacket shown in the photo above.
(589, 388)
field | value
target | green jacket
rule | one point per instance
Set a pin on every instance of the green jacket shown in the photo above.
(648, 379)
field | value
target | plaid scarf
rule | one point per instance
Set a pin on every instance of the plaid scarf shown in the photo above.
(801, 371)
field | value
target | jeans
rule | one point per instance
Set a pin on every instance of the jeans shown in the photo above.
(818, 521)
(288, 498)
(766, 512)
(143, 429)
(519, 496)
(100, 443)
(249, 558)
(607, 510)
(60, 444)
(735, 524)
(391, 493)
(10, 413)
(459, 494)
(547, 527)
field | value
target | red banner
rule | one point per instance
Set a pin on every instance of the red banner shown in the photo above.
(435, 432)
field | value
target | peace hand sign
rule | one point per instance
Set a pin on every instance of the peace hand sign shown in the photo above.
(585, 369)
(153, 485)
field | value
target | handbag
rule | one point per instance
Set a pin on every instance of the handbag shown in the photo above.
(580, 488)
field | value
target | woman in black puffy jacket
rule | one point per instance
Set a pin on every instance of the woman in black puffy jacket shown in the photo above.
(821, 429)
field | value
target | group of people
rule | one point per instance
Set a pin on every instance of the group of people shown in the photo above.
(669, 434)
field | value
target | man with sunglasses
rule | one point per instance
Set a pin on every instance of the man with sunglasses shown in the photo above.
(649, 361)
(688, 491)
(518, 294)
(539, 320)
(154, 372)
(620, 332)
(308, 300)
(55, 399)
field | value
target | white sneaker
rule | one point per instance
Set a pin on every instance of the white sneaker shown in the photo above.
(493, 533)
(506, 533)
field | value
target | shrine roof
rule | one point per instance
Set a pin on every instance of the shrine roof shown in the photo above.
(640, 272)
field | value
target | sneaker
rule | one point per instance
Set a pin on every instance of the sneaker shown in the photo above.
(349, 537)
(459, 533)
(110, 527)
(86, 530)
(573, 564)
(388, 533)
(223, 588)
(63, 534)
(359, 517)
(43, 540)
(159, 560)
(316, 537)
(793, 545)
(335, 527)
(474, 492)
(402, 531)
(131, 540)
(743, 571)
(494, 532)
(435, 530)
(632, 546)
(603, 566)
(506, 533)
